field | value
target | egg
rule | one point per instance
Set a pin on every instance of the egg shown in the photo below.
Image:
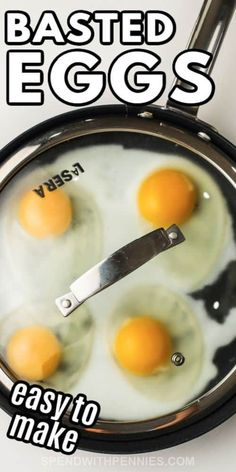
(43, 347)
(49, 241)
(142, 345)
(173, 327)
(34, 353)
(44, 217)
(167, 197)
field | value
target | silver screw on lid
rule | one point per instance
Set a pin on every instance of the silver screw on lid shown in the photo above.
(173, 235)
(177, 359)
(204, 136)
(146, 114)
(66, 303)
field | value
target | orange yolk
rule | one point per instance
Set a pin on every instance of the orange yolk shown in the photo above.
(167, 197)
(142, 345)
(43, 217)
(34, 353)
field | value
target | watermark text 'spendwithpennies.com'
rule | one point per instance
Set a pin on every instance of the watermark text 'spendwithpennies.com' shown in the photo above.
(135, 461)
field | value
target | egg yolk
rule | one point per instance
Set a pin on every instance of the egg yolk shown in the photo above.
(34, 353)
(142, 345)
(167, 197)
(43, 217)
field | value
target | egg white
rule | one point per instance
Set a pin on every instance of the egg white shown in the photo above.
(128, 398)
(41, 269)
(208, 234)
(114, 174)
(177, 315)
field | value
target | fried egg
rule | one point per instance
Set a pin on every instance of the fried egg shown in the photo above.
(34, 353)
(167, 196)
(142, 345)
(125, 389)
(192, 199)
(123, 181)
(49, 241)
(180, 332)
(41, 346)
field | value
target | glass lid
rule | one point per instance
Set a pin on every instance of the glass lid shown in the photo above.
(69, 207)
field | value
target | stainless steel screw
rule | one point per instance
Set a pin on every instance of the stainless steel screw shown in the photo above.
(204, 136)
(178, 359)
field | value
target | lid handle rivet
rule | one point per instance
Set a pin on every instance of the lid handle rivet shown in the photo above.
(173, 235)
(66, 303)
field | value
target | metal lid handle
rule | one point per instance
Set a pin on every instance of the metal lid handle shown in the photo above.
(118, 265)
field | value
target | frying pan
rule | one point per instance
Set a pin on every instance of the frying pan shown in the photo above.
(139, 127)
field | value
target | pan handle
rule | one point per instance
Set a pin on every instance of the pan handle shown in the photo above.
(208, 34)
